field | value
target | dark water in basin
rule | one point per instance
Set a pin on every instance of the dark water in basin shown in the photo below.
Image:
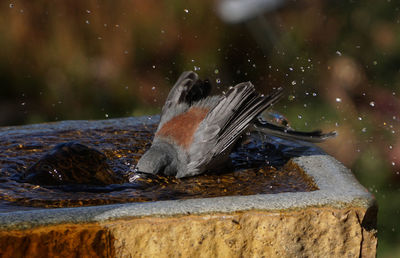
(258, 166)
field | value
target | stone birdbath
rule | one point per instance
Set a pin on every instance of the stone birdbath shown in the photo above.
(279, 199)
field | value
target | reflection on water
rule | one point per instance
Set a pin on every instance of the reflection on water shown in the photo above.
(123, 141)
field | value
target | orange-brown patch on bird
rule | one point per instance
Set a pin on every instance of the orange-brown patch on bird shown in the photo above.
(182, 127)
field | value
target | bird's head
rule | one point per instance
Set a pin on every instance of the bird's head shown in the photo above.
(159, 159)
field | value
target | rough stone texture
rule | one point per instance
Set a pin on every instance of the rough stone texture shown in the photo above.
(312, 232)
(308, 233)
(88, 240)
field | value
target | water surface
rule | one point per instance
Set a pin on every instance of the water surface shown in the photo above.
(258, 166)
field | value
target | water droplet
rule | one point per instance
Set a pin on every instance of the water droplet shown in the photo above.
(216, 71)
(153, 88)
(390, 147)
(11, 5)
(290, 69)
(338, 53)
(186, 10)
(254, 65)
(196, 68)
(291, 97)
(106, 115)
(393, 163)
(360, 118)
(314, 94)
(23, 104)
(364, 130)
(338, 100)
(294, 82)
(218, 80)
(87, 22)
(133, 178)
(372, 104)
(300, 116)
(88, 11)
(154, 67)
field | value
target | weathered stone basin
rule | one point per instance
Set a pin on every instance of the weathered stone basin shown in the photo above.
(336, 217)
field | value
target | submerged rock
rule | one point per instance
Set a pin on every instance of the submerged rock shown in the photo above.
(71, 163)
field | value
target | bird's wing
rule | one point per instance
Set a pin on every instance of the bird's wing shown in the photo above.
(187, 89)
(225, 122)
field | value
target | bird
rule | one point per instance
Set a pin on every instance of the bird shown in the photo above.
(197, 132)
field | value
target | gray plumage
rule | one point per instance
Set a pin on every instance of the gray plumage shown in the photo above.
(223, 120)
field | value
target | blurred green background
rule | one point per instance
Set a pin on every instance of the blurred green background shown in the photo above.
(339, 62)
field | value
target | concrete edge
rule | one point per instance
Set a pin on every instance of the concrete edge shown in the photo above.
(338, 188)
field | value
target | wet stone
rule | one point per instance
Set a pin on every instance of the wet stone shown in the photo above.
(71, 163)
(95, 161)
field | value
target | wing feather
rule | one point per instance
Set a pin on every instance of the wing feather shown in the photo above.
(187, 89)
(224, 124)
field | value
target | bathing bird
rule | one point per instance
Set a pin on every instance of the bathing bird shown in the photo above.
(197, 132)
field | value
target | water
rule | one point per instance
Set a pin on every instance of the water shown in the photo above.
(257, 166)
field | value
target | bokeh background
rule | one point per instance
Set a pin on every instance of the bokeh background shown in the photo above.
(339, 62)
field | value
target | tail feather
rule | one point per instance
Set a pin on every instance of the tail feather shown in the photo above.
(288, 133)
